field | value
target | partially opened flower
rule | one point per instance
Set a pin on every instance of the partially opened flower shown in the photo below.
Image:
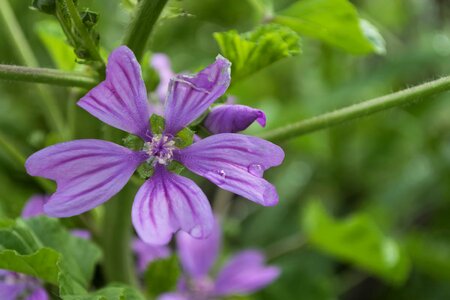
(15, 286)
(89, 172)
(244, 273)
(223, 118)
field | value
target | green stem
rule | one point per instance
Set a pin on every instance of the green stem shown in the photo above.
(81, 29)
(116, 235)
(327, 120)
(141, 27)
(26, 57)
(45, 75)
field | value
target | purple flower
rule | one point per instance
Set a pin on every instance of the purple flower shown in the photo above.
(146, 253)
(89, 172)
(243, 274)
(225, 118)
(15, 286)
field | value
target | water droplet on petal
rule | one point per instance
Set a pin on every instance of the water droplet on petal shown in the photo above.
(217, 176)
(256, 169)
(196, 231)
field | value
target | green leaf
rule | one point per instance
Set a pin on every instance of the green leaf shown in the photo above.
(335, 22)
(43, 248)
(162, 276)
(358, 241)
(114, 291)
(250, 52)
(53, 38)
(157, 124)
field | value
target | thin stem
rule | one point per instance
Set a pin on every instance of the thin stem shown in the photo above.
(116, 235)
(45, 75)
(82, 30)
(141, 27)
(285, 246)
(26, 57)
(327, 120)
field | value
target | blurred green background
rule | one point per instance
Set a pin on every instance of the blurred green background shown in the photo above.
(389, 172)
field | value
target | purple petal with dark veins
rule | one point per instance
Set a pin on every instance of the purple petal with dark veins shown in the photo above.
(146, 253)
(233, 118)
(245, 273)
(161, 63)
(34, 206)
(236, 163)
(120, 100)
(190, 96)
(87, 172)
(198, 255)
(166, 203)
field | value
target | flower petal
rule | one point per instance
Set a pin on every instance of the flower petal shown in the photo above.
(34, 206)
(167, 202)
(245, 273)
(147, 253)
(11, 291)
(173, 296)
(233, 118)
(190, 96)
(39, 293)
(161, 63)
(120, 100)
(236, 163)
(198, 255)
(87, 172)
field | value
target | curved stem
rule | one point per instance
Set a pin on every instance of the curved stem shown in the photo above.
(89, 43)
(327, 120)
(26, 57)
(141, 27)
(45, 75)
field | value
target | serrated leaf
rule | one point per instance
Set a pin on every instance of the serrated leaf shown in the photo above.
(43, 248)
(358, 241)
(162, 276)
(251, 51)
(335, 22)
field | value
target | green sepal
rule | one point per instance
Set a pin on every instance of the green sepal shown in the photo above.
(175, 167)
(89, 18)
(145, 170)
(184, 138)
(133, 142)
(157, 124)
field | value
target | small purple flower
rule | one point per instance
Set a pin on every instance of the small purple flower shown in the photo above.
(15, 286)
(146, 253)
(89, 172)
(224, 118)
(243, 274)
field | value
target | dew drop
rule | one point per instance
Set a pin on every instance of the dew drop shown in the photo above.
(256, 169)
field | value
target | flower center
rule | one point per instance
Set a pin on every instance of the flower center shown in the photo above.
(160, 149)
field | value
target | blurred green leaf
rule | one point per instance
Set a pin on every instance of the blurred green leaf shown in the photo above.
(335, 22)
(54, 41)
(251, 51)
(162, 276)
(112, 292)
(358, 241)
(43, 248)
